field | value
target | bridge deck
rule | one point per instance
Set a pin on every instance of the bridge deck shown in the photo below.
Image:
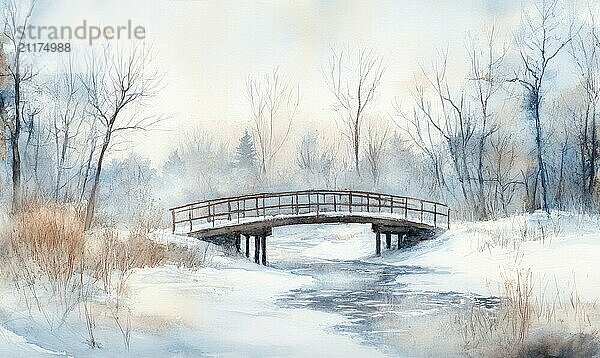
(260, 225)
(260, 212)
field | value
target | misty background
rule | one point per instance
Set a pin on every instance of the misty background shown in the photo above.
(208, 72)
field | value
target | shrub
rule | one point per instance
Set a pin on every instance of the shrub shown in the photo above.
(51, 236)
(189, 257)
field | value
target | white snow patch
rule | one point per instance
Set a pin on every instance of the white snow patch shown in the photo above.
(323, 241)
(563, 258)
(233, 311)
(13, 345)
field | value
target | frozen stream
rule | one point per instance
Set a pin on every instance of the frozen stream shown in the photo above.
(381, 312)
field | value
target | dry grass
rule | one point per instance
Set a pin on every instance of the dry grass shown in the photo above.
(518, 307)
(531, 318)
(45, 253)
(536, 314)
(52, 260)
(52, 237)
(112, 256)
(112, 263)
(516, 231)
(59, 270)
(189, 258)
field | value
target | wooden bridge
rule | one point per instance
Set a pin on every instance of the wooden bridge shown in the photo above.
(225, 220)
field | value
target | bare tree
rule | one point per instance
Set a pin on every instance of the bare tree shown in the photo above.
(486, 77)
(539, 44)
(274, 103)
(67, 123)
(585, 52)
(118, 84)
(3, 104)
(460, 120)
(204, 155)
(378, 135)
(318, 158)
(451, 116)
(19, 74)
(353, 77)
(332, 165)
(307, 153)
(424, 137)
(502, 172)
(90, 145)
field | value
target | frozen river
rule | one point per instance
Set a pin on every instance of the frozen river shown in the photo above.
(382, 312)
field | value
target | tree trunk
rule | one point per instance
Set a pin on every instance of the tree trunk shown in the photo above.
(594, 150)
(483, 214)
(86, 174)
(16, 172)
(61, 163)
(356, 146)
(540, 158)
(89, 211)
(15, 135)
(482, 204)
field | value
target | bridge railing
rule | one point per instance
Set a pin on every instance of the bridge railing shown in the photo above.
(240, 209)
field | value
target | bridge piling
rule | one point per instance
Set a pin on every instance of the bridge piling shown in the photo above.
(256, 248)
(238, 243)
(247, 245)
(263, 242)
(388, 240)
(378, 243)
(401, 239)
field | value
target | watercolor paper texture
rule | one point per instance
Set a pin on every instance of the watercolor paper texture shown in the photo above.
(196, 178)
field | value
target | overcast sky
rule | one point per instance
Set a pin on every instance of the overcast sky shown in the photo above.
(207, 48)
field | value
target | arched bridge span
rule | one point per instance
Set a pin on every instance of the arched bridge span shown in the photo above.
(227, 219)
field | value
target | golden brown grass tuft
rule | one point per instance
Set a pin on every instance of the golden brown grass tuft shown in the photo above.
(189, 257)
(51, 236)
(112, 255)
(59, 269)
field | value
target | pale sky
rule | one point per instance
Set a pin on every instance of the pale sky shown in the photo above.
(208, 48)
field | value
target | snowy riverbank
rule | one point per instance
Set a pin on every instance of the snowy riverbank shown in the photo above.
(561, 251)
(226, 309)
(234, 308)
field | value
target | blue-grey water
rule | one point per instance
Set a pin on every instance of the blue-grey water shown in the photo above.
(380, 312)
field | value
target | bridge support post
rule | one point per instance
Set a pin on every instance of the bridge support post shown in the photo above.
(256, 248)
(401, 237)
(247, 245)
(263, 243)
(388, 240)
(238, 243)
(378, 243)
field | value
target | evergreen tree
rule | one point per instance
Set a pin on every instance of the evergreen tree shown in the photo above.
(245, 153)
(174, 165)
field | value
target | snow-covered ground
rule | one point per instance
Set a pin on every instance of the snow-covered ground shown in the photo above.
(560, 252)
(227, 309)
(234, 308)
(13, 345)
(231, 311)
